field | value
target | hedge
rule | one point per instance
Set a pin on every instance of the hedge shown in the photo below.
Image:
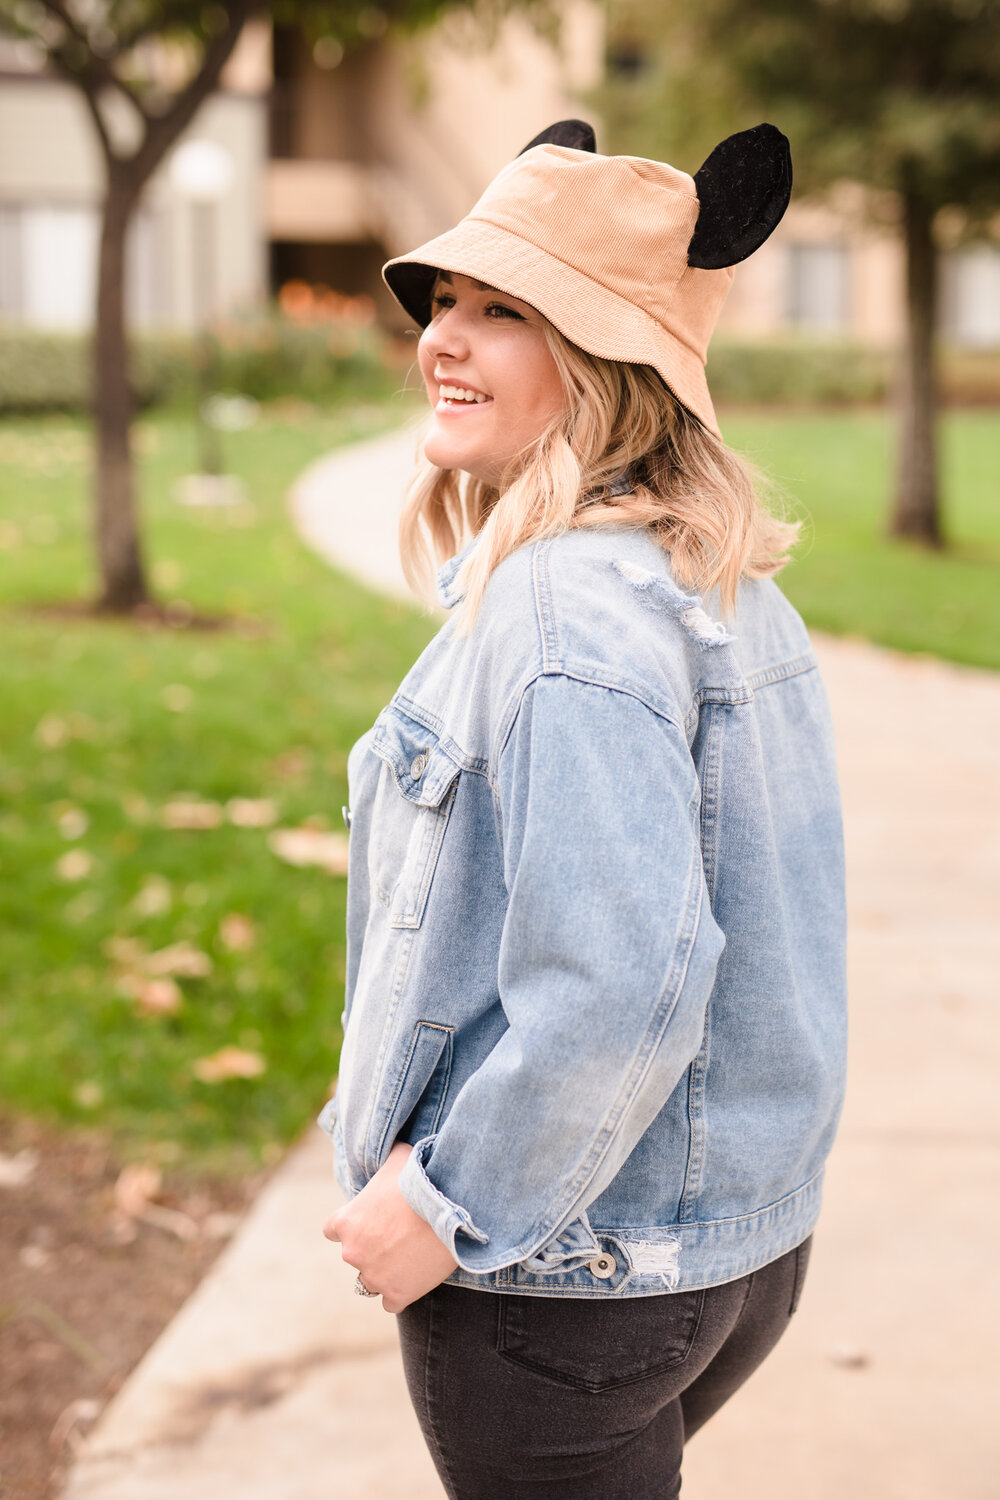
(264, 356)
(269, 356)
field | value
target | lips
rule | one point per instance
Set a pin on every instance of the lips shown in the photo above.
(459, 400)
(453, 395)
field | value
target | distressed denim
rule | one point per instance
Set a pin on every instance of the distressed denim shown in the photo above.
(595, 930)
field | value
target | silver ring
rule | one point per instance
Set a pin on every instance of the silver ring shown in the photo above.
(361, 1290)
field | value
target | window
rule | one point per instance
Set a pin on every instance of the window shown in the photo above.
(11, 271)
(58, 265)
(48, 266)
(817, 287)
(971, 296)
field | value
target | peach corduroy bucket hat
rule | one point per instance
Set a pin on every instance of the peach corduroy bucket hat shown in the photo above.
(630, 259)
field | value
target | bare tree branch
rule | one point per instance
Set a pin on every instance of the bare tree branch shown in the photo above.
(90, 95)
(97, 71)
(163, 130)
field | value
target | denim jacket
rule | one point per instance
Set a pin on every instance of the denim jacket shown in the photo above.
(595, 930)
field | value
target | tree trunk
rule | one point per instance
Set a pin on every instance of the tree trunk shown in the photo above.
(917, 509)
(119, 556)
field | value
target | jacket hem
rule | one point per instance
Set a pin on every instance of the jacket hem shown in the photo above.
(677, 1258)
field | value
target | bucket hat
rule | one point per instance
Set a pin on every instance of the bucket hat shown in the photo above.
(628, 258)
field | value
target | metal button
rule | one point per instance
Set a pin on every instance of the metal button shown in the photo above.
(603, 1266)
(345, 813)
(417, 766)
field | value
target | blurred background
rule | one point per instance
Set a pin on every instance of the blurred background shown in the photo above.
(195, 203)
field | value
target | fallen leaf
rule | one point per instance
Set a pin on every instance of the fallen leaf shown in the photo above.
(137, 1184)
(181, 958)
(75, 864)
(251, 812)
(83, 1410)
(73, 823)
(237, 932)
(311, 846)
(154, 897)
(229, 1062)
(178, 697)
(169, 1219)
(52, 732)
(15, 1171)
(292, 763)
(124, 950)
(158, 997)
(219, 1225)
(193, 814)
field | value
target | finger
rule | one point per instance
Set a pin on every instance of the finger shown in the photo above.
(330, 1229)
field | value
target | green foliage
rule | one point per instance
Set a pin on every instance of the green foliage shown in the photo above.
(320, 355)
(803, 371)
(265, 356)
(49, 372)
(893, 93)
(797, 371)
(268, 357)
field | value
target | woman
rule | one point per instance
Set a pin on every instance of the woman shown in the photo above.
(593, 1057)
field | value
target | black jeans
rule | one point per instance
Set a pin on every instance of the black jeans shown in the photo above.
(559, 1397)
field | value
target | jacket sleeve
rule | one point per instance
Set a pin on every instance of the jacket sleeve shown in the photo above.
(607, 959)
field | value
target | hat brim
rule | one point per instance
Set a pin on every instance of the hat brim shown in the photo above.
(583, 310)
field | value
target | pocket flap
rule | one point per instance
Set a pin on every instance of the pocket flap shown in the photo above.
(422, 771)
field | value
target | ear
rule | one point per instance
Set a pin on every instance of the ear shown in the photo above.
(574, 133)
(743, 190)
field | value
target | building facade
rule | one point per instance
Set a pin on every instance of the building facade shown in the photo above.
(340, 161)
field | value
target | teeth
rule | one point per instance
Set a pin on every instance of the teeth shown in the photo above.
(456, 393)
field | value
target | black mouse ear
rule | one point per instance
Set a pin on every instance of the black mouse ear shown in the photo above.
(743, 190)
(574, 133)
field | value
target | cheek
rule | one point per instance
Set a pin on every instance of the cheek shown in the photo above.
(425, 360)
(542, 394)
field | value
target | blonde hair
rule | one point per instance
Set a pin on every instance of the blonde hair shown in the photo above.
(698, 498)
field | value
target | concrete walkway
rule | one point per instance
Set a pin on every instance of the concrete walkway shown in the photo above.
(276, 1383)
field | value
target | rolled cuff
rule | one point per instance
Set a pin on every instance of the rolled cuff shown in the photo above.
(447, 1219)
(555, 1254)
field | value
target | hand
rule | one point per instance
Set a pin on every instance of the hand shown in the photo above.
(396, 1251)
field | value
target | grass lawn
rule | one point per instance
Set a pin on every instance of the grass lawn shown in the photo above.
(835, 471)
(105, 725)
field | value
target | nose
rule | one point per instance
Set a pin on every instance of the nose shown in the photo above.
(445, 338)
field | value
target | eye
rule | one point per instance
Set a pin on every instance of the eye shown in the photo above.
(441, 300)
(501, 310)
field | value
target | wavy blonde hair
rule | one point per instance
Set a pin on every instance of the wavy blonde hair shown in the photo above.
(699, 499)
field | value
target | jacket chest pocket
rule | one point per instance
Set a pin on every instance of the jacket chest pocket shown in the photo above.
(413, 800)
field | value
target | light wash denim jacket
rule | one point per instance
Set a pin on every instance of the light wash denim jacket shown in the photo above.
(595, 930)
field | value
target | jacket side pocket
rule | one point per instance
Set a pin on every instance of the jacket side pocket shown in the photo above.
(416, 1101)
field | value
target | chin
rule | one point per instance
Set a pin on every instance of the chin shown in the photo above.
(439, 453)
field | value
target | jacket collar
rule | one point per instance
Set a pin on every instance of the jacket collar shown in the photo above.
(449, 589)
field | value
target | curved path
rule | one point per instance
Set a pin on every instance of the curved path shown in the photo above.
(274, 1381)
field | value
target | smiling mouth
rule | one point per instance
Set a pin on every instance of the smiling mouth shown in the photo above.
(457, 395)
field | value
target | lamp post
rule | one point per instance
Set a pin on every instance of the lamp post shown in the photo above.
(201, 172)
